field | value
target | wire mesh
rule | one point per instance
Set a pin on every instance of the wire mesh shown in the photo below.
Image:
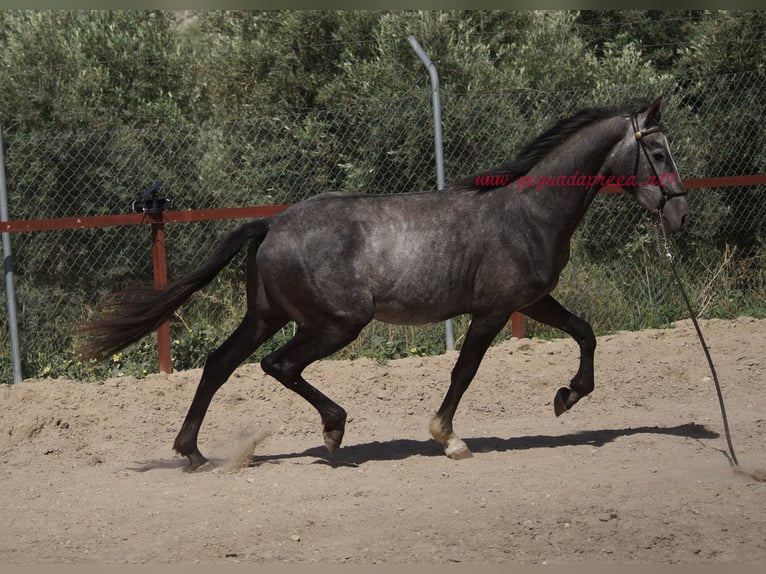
(615, 279)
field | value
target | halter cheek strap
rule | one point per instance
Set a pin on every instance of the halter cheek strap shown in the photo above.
(639, 135)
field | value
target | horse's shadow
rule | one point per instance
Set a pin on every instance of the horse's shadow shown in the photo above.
(400, 449)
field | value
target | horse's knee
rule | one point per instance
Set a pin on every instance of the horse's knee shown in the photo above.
(585, 337)
(588, 344)
(583, 382)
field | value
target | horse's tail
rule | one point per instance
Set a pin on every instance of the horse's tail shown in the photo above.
(127, 316)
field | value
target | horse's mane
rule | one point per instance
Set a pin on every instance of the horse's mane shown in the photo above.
(531, 154)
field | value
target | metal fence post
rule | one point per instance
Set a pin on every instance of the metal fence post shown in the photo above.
(10, 291)
(450, 334)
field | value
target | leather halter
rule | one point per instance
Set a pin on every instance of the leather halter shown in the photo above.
(639, 135)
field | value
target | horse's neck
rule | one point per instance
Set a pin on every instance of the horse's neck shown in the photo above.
(564, 200)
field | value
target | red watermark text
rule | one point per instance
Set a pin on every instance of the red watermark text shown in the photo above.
(574, 180)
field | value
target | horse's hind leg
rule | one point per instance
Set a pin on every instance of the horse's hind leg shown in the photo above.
(480, 334)
(549, 311)
(221, 363)
(287, 365)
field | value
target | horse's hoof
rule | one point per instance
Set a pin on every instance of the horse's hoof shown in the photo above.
(456, 449)
(198, 464)
(460, 454)
(560, 401)
(332, 440)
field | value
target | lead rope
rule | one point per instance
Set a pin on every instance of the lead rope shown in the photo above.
(758, 475)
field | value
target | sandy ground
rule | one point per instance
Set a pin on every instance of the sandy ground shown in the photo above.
(637, 472)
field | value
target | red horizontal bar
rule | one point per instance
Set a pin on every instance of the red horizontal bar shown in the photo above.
(726, 181)
(705, 183)
(222, 213)
(265, 210)
(71, 222)
(138, 218)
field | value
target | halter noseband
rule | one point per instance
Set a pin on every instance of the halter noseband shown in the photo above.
(639, 135)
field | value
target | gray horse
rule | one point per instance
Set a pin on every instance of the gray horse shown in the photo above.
(491, 244)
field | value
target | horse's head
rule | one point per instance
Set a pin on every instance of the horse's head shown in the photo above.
(644, 153)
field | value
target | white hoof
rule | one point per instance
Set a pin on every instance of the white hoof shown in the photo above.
(456, 449)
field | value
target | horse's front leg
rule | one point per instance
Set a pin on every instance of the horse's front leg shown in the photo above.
(549, 311)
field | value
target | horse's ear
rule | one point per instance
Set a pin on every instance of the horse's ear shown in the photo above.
(653, 113)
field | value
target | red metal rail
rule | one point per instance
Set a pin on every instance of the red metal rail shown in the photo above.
(261, 211)
(159, 219)
(138, 218)
(705, 183)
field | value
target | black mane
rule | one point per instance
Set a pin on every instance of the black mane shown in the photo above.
(531, 154)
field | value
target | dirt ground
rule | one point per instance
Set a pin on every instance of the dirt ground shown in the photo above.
(635, 473)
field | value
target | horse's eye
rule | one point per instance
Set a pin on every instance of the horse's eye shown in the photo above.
(658, 156)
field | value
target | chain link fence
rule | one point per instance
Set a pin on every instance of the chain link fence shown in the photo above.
(616, 280)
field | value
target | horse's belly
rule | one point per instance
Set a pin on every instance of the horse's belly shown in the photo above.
(416, 310)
